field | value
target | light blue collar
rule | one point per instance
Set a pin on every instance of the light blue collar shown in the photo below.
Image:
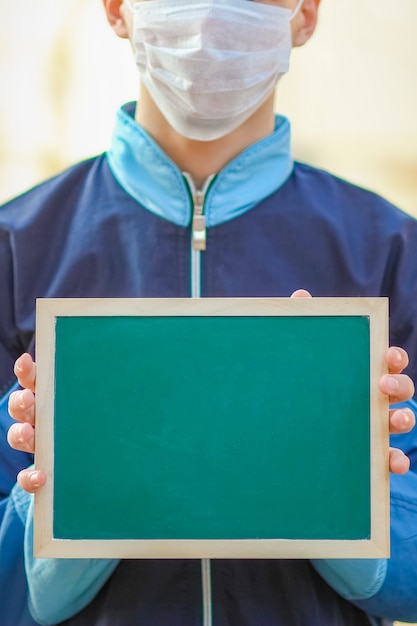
(148, 175)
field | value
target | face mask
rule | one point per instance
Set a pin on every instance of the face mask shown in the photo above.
(210, 64)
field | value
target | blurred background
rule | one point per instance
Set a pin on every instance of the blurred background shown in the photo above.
(351, 94)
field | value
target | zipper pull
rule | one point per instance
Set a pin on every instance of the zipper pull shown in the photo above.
(199, 222)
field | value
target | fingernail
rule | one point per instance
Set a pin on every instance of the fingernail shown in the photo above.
(399, 356)
(406, 418)
(34, 481)
(20, 400)
(20, 438)
(392, 384)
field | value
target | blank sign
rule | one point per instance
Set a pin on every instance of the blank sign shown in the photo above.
(212, 428)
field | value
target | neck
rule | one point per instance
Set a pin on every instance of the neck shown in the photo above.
(203, 158)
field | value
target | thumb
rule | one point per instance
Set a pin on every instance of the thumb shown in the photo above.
(301, 293)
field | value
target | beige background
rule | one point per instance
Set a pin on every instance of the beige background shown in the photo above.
(351, 94)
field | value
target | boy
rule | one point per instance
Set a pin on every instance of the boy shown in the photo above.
(198, 196)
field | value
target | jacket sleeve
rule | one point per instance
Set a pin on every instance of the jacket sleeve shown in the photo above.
(386, 588)
(60, 588)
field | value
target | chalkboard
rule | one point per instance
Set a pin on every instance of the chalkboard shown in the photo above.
(212, 428)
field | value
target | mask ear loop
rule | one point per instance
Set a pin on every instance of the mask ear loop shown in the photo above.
(297, 8)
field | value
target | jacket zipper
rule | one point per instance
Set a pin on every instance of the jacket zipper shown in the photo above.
(198, 245)
(206, 590)
(198, 231)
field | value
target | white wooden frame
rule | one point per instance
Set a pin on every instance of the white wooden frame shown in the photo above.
(378, 544)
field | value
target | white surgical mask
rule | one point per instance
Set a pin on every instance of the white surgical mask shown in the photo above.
(210, 64)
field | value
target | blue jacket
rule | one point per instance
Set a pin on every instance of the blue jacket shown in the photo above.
(119, 225)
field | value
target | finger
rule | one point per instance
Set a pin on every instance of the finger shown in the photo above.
(22, 437)
(25, 370)
(301, 293)
(31, 480)
(397, 359)
(399, 463)
(401, 421)
(22, 406)
(398, 387)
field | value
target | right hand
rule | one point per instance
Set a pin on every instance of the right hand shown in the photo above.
(21, 436)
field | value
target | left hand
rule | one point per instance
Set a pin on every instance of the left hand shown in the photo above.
(398, 387)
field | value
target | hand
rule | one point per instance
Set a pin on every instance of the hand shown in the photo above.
(399, 388)
(21, 436)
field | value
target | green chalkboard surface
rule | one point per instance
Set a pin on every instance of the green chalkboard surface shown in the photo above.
(211, 428)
